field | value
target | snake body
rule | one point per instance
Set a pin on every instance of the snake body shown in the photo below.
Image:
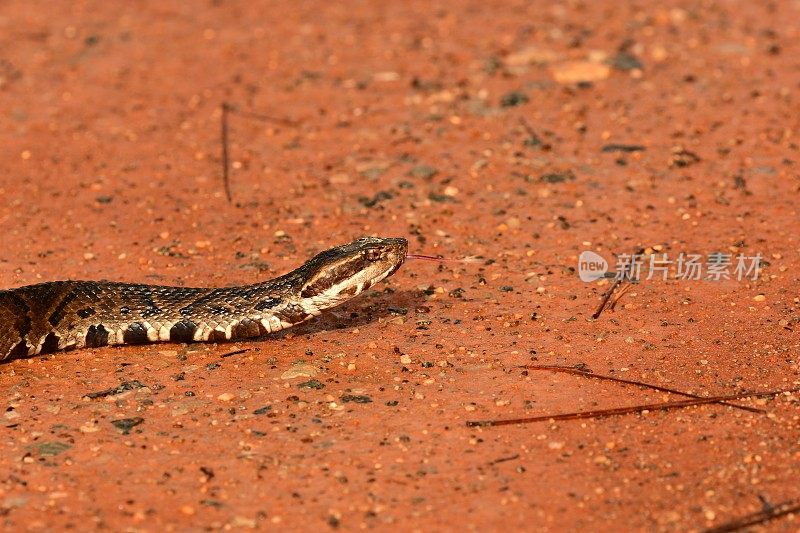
(63, 315)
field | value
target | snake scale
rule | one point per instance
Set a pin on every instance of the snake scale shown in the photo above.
(64, 315)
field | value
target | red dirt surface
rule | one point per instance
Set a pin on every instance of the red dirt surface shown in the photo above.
(474, 128)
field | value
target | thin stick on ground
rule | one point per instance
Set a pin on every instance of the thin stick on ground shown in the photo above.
(227, 109)
(424, 257)
(589, 374)
(620, 293)
(618, 411)
(625, 275)
(234, 352)
(225, 177)
(761, 517)
(606, 298)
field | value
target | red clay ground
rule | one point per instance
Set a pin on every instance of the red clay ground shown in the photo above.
(406, 120)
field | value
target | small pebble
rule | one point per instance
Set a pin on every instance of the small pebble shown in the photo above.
(302, 370)
(89, 427)
(569, 72)
(339, 179)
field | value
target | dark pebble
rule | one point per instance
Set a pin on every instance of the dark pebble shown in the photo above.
(355, 398)
(125, 425)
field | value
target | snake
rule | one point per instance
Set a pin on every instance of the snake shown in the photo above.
(64, 315)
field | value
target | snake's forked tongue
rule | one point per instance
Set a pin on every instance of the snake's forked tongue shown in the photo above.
(442, 259)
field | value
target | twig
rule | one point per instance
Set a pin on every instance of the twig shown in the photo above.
(770, 513)
(617, 281)
(606, 297)
(504, 459)
(618, 297)
(225, 180)
(226, 110)
(600, 413)
(589, 374)
(235, 352)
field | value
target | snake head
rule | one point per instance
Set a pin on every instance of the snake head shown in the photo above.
(338, 274)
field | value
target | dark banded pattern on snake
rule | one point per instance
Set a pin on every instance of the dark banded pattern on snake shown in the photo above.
(64, 315)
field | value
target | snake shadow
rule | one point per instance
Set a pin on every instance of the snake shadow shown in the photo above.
(359, 312)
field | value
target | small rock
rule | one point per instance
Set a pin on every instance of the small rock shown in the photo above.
(125, 425)
(89, 427)
(531, 56)
(300, 371)
(386, 76)
(557, 177)
(50, 448)
(513, 99)
(241, 521)
(339, 179)
(580, 71)
(423, 171)
(626, 61)
(355, 398)
(311, 384)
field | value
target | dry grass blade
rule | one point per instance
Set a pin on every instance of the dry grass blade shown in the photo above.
(588, 374)
(618, 411)
(224, 135)
(606, 298)
(235, 352)
(617, 282)
(227, 109)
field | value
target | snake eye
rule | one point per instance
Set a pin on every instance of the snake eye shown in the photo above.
(373, 255)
